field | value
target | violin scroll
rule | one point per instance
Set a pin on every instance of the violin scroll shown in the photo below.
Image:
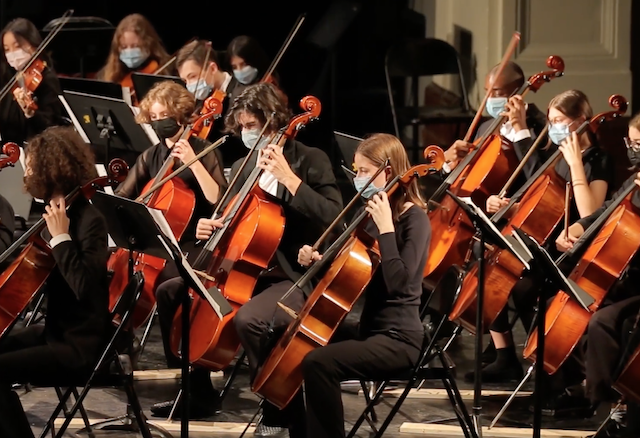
(420, 170)
(117, 169)
(12, 151)
(555, 63)
(619, 104)
(434, 156)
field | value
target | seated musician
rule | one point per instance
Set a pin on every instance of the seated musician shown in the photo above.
(77, 325)
(301, 179)
(202, 82)
(247, 59)
(525, 121)
(607, 334)
(135, 47)
(168, 107)
(18, 122)
(390, 330)
(589, 168)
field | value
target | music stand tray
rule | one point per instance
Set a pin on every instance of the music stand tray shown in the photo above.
(108, 122)
(143, 82)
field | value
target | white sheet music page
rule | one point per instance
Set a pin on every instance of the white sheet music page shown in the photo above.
(159, 218)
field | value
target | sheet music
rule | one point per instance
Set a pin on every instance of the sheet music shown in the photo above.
(519, 249)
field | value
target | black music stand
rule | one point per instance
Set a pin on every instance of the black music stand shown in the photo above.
(134, 226)
(91, 86)
(486, 232)
(143, 82)
(347, 145)
(547, 275)
(108, 122)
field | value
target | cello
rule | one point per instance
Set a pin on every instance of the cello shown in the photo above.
(177, 203)
(12, 152)
(24, 278)
(483, 172)
(354, 258)
(537, 213)
(615, 240)
(234, 256)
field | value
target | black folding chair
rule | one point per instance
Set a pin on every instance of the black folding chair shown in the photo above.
(424, 370)
(113, 369)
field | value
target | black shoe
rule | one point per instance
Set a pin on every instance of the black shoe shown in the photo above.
(198, 409)
(495, 373)
(270, 431)
(489, 354)
(565, 405)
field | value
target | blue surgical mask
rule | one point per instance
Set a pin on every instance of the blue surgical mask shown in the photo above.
(246, 74)
(249, 137)
(496, 105)
(360, 181)
(200, 89)
(558, 132)
(133, 57)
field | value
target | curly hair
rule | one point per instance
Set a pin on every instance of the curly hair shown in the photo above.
(379, 148)
(261, 100)
(179, 102)
(59, 161)
(114, 70)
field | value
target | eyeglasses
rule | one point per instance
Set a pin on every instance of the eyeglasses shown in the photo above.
(635, 145)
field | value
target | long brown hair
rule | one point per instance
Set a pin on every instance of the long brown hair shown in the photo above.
(115, 70)
(179, 102)
(380, 147)
(60, 161)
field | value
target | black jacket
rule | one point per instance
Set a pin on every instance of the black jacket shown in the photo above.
(77, 325)
(16, 127)
(316, 204)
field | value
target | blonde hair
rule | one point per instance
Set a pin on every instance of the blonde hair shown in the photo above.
(380, 147)
(114, 70)
(179, 102)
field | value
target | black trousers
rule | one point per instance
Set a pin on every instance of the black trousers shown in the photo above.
(252, 322)
(25, 356)
(605, 343)
(378, 357)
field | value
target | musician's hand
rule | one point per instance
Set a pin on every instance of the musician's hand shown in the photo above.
(306, 256)
(516, 111)
(56, 217)
(575, 231)
(458, 150)
(571, 151)
(205, 227)
(495, 203)
(23, 100)
(637, 180)
(380, 210)
(272, 160)
(183, 151)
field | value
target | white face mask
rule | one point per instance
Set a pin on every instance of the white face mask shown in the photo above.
(17, 59)
(250, 136)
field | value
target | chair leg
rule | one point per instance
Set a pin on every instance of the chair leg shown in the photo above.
(147, 329)
(137, 410)
(83, 413)
(49, 425)
(258, 411)
(232, 377)
(460, 409)
(395, 408)
(367, 409)
(367, 398)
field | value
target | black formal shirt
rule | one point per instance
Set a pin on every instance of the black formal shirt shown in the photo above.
(315, 205)
(16, 127)
(392, 298)
(148, 165)
(78, 323)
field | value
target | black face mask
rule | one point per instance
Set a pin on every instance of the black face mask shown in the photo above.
(166, 128)
(634, 157)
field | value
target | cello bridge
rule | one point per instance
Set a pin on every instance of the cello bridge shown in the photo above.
(433, 204)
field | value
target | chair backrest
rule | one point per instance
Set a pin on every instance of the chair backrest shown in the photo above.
(413, 57)
(123, 310)
(446, 292)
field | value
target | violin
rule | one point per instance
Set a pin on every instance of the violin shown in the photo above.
(177, 202)
(538, 214)
(354, 258)
(481, 174)
(29, 77)
(12, 152)
(24, 278)
(234, 256)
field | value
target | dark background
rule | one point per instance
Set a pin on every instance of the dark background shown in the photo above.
(338, 55)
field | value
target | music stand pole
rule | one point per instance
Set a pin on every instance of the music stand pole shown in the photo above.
(477, 381)
(186, 377)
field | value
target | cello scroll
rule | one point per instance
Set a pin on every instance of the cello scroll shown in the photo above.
(12, 151)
